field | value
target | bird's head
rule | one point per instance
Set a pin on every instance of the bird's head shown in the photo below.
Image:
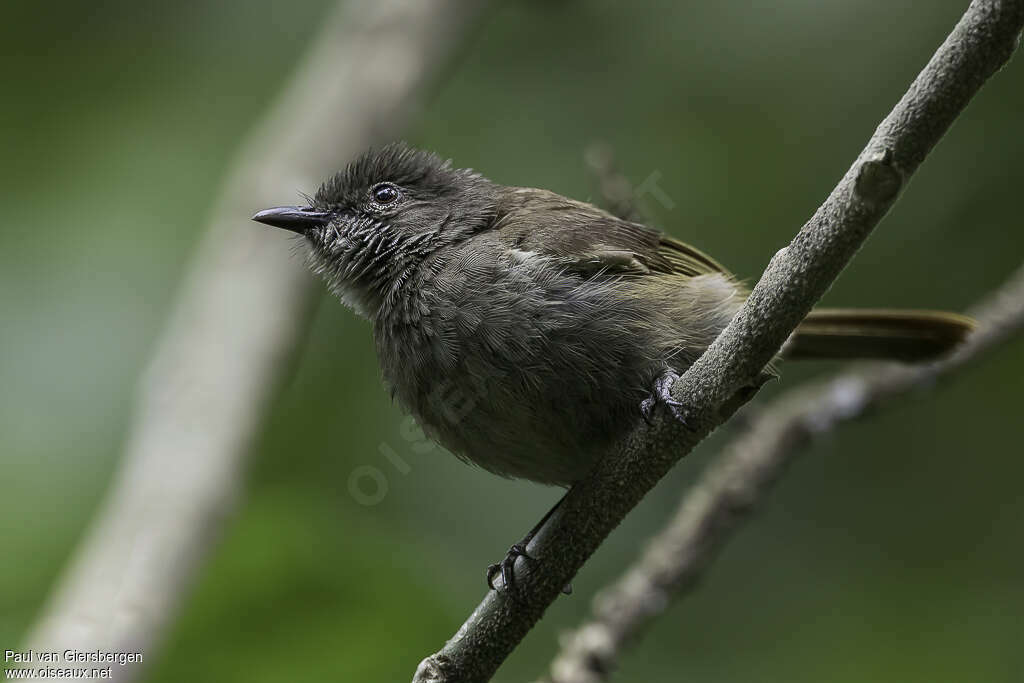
(370, 225)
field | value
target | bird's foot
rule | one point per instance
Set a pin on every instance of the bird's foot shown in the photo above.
(507, 569)
(662, 394)
(507, 566)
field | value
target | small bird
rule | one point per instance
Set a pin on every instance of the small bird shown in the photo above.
(525, 330)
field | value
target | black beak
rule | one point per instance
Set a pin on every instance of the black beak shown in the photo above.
(295, 218)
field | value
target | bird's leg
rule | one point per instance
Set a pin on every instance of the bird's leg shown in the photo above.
(507, 566)
(662, 394)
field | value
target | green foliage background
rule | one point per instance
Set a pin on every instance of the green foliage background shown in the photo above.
(891, 552)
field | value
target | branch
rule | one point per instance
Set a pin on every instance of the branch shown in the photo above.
(743, 475)
(238, 319)
(795, 279)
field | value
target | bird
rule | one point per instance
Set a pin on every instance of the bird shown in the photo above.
(524, 330)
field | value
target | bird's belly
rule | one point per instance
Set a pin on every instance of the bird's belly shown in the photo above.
(528, 421)
(536, 384)
(522, 401)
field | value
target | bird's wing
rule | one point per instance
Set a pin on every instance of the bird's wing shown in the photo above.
(687, 260)
(587, 240)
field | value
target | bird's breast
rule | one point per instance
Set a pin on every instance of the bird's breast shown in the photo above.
(523, 373)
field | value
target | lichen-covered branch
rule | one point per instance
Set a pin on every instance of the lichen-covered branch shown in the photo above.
(236, 323)
(795, 279)
(743, 475)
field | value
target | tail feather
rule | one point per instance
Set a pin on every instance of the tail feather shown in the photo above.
(906, 335)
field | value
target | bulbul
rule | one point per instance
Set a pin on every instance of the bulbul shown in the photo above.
(525, 330)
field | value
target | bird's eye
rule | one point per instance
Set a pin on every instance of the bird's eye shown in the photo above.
(384, 194)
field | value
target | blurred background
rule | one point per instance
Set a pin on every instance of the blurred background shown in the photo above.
(892, 550)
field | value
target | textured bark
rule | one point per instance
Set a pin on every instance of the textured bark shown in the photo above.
(743, 475)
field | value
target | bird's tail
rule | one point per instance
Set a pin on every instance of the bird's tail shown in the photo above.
(911, 336)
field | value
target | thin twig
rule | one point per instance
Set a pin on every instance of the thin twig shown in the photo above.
(742, 476)
(237, 322)
(796, 278)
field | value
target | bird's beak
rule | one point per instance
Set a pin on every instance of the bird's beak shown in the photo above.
(295, 218)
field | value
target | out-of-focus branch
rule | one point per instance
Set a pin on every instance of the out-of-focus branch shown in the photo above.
(616, 192)
(237, 321)
(795, 279)
(743, 475)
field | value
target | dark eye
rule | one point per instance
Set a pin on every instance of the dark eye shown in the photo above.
(385, 194)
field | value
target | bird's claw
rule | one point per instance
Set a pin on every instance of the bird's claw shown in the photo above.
(662, 394)
(507, 569)
(507, 566)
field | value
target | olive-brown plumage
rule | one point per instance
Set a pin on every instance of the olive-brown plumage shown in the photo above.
(523, 329)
